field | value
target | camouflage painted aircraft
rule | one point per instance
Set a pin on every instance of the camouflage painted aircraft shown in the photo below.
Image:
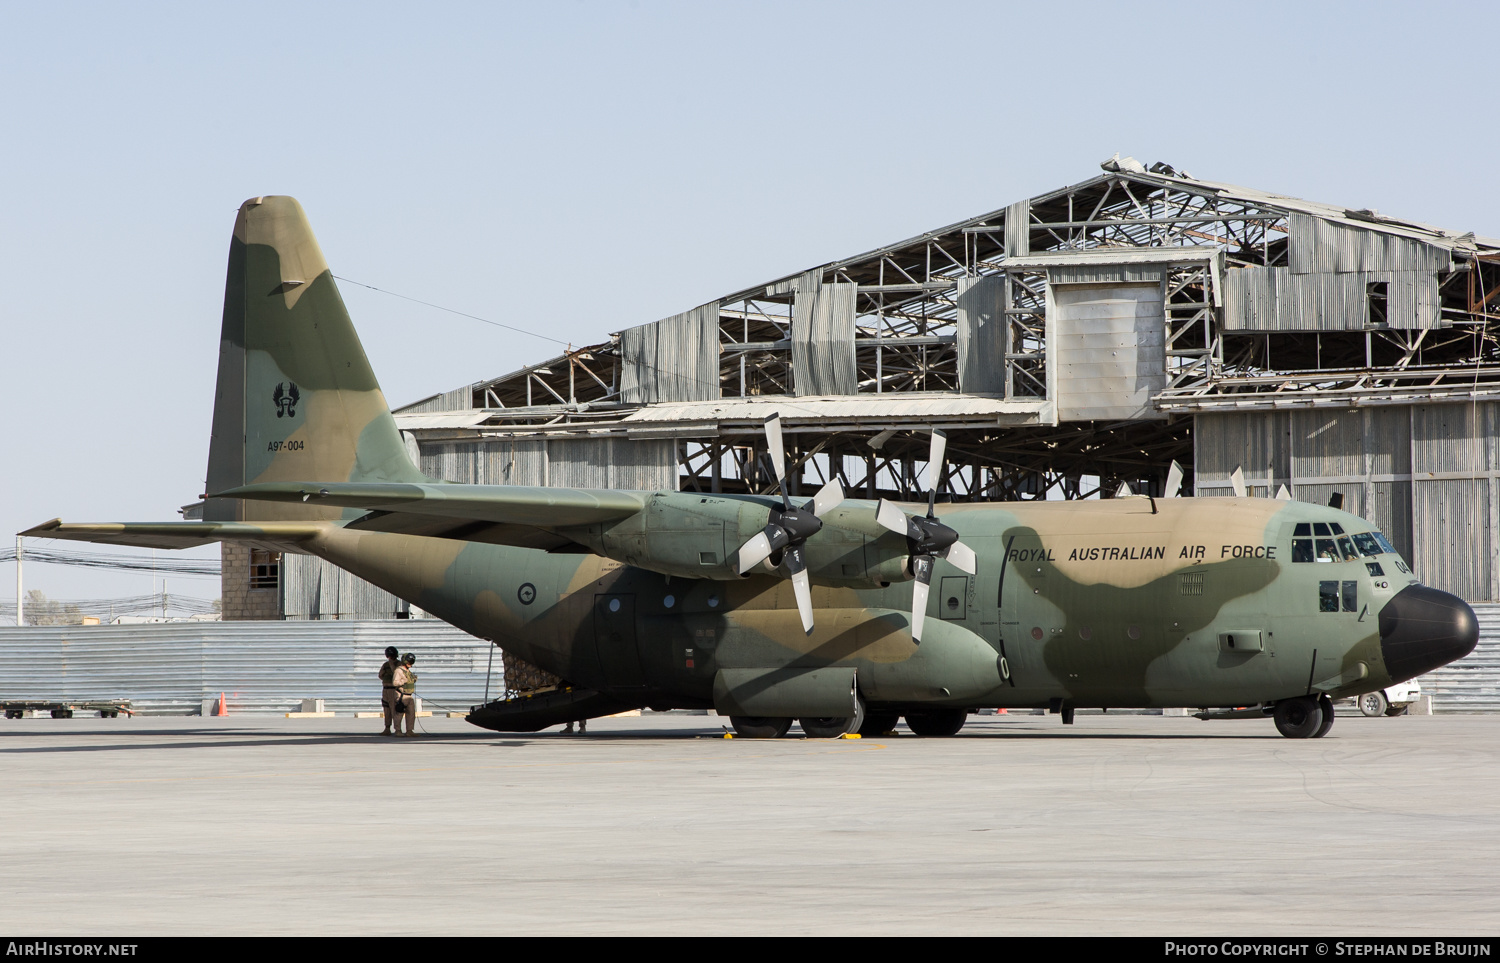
(772, 612)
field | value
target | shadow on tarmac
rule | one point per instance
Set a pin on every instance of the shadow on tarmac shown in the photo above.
(251, 737)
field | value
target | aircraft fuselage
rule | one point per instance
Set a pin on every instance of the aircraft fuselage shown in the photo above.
(1118, 603)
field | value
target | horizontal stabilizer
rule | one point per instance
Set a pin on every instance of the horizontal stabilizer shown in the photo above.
(175, 534)
(512, 504)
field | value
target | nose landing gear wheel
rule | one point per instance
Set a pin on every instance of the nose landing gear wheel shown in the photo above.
(1299, 718)
(760, 727)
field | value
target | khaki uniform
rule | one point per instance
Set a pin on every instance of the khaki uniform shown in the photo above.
(388, 692)
(406, 681)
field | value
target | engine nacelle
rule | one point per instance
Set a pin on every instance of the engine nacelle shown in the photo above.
(698, 536)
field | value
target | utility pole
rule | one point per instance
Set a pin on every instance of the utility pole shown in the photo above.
(19, 549)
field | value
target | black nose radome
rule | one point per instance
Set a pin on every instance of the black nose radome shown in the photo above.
(1422, 628)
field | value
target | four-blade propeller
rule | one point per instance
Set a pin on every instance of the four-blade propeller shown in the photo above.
(927, 538)
(789, 527)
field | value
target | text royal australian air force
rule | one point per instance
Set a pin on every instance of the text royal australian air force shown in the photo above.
(1140, 553)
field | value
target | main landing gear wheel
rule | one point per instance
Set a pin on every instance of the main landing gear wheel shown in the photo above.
(1325, 704)
(1373, 704)
(831, 727)
(760, 727)
(825, 727)
(1299, 718)
(937, 722)
(879, 723)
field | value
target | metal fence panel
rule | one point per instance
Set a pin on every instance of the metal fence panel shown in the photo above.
(178, 667)
(1472, 684)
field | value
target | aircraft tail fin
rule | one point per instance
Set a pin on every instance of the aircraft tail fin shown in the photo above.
(296, 398)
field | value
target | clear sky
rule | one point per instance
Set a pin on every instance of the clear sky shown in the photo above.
(580, 167)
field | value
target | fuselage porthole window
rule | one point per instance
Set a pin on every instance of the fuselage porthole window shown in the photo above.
(1328, 596)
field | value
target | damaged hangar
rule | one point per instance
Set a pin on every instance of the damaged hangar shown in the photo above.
(1072, 345)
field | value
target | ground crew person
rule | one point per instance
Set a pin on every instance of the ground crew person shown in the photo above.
(406, 681)
(388, 690)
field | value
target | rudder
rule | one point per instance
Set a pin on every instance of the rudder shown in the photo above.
(296, 398)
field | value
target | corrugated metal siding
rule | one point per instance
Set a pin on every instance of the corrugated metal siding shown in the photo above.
(459, 399)
(1105, 273)
(1317, 246)
(315, 589)
(1453, 550)
(981, 335)
(647, 464)
(1115, 256)
(1018, 229)
(1426, 475)
(259, 666)
(1111, 350)
(674, 359)
(1279, 299)
(823, 340)
(1472, 684)
(1455, 515)
(810, 410)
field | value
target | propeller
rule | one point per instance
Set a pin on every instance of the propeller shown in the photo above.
(927, 539)
(789, 527)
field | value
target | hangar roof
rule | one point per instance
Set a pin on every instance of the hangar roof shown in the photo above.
(907, 338)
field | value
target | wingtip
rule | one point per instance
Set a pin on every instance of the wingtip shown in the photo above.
(51, 525)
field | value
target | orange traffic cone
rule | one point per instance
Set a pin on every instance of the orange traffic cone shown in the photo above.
(219, 709)
(1002, 712)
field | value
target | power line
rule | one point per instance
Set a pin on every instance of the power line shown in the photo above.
(109, 560)
(716, 384)
(462, 314)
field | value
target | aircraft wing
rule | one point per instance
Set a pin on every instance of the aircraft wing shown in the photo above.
(435, 526)
(175, 534)
(544, 508)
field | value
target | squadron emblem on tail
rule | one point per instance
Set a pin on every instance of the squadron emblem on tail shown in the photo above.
(286, 397)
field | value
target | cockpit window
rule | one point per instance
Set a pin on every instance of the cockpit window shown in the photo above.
(1332, 545)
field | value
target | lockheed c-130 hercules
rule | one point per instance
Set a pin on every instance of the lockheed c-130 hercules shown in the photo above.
(771, 611)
